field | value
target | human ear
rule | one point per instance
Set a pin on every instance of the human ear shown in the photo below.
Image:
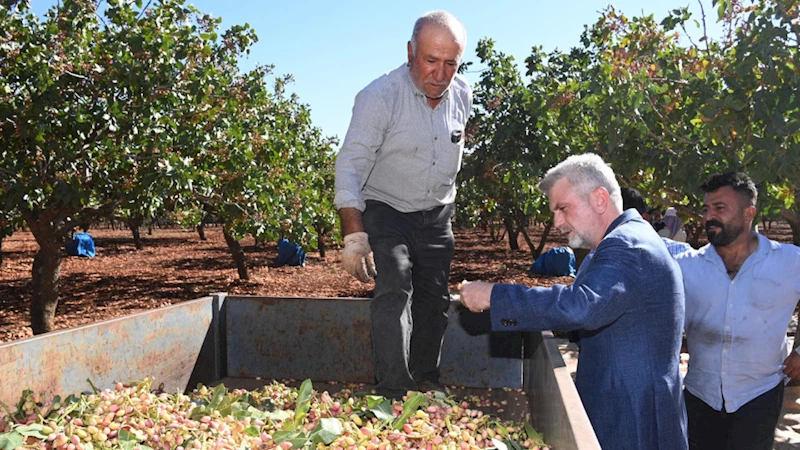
(599, 199)
(750, 213)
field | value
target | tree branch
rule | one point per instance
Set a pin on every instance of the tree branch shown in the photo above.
(703, 21)
(144, 9)
(666, 122)
(75, 75)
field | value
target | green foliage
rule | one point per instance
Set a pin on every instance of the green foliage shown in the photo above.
(127, 110)
(726, 105)
(663, 113)
(510, 147)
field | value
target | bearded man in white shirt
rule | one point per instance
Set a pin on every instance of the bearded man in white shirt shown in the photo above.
(741, 291)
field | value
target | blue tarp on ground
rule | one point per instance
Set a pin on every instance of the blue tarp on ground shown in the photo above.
(558, 261)
(81, 244)
(290, 254)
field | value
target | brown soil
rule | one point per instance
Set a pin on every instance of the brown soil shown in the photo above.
(175, 266)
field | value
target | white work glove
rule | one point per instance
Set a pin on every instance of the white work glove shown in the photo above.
(357, 257)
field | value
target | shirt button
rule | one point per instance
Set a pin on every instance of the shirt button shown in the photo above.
(436, 138)
(434, 163)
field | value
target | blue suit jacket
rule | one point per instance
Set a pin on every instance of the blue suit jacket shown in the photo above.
(627, 307)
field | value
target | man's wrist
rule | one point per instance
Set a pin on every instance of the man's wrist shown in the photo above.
(359, 236)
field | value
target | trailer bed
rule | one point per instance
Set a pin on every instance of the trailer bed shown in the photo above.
(247, 341)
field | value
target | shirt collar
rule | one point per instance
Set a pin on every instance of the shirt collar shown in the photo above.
(764, 247)
(628, 214)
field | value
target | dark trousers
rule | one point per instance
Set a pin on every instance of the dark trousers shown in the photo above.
(751, 427)
(408, 311)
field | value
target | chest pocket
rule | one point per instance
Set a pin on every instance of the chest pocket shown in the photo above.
(449, 162)
(451, 148)
(768, 289)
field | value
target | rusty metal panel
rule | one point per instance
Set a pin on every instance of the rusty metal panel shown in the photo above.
(298, 338)
(164, 343)
(330, 339)
(474, 356)
(556, 407)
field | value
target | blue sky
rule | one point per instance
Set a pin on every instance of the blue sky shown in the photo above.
(335, 48)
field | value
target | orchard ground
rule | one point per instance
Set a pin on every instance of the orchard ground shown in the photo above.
(175, 266)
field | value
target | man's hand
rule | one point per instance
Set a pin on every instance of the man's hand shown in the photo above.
(476, 296)
(792, 366)
(357, 257)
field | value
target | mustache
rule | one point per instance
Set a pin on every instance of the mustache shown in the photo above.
(714, 223)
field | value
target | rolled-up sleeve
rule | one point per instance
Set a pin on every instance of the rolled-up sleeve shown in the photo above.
(357, 156)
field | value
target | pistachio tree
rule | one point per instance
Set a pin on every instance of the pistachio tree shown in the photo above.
(509, 136)
(674, 108)
(113, 110)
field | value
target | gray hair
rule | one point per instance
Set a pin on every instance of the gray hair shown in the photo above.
(585, 173)
(441, 19)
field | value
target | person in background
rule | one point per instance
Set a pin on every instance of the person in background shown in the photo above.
(632, 198)
(626, 305)
(395, 191)
(741, 292)
(673, 226)
(656, 218)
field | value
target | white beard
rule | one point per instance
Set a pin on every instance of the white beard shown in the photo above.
(578, 241)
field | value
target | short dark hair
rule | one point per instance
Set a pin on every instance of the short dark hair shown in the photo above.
(631, 198)
(739, 181)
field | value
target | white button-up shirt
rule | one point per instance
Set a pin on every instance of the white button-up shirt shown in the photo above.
(399, 150)
(736, 329)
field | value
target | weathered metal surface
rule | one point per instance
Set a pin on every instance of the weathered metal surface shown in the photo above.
(556, 407)
(474, 357)
(164, 343)
(320, 338)
(211, 338)
(330, 339)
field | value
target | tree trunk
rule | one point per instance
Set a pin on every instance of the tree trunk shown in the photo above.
(321, 232)
(537, 252)
(237, 253)
(134, 223)
(201, 231)
(496, 232)
(46, 281)
(794, 223)
(320, 246)
(137, 238)
(513, 233)
(46, 268)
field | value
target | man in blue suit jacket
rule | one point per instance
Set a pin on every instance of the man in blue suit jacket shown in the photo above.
(627, 307)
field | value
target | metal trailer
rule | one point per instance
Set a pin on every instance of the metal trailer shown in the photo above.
(245, 341)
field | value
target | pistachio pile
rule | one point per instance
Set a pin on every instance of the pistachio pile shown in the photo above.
(133, 415)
